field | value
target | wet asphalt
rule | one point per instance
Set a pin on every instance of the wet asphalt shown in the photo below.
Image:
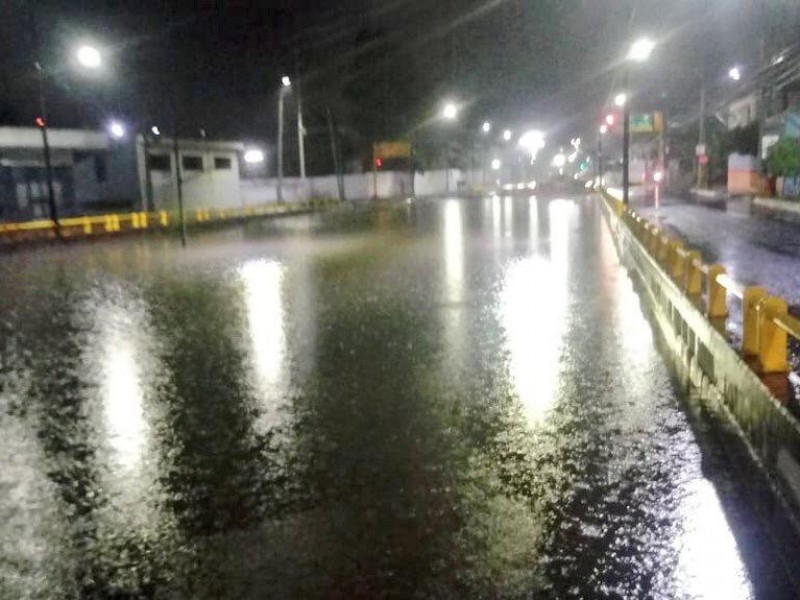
(453, 398)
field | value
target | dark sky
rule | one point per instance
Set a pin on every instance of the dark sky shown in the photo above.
(382, 66)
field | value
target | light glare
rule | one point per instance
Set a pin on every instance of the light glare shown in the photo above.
(253, 156)
(450, 111)
(620, 99)
(641, 49)
(116, 129)
(89, 57)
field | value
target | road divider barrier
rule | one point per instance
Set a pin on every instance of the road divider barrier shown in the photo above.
(744, 382)
(88, 226)
(766, 322)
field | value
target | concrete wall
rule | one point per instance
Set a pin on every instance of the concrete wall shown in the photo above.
(703, 359)
(358, 186)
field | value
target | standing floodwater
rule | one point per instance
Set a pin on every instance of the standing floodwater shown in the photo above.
(450, 399)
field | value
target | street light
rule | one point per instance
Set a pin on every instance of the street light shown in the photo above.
(620, 99)
(155, 130)
(603, 129)
(253, 156)
(487, 127)
(89, 57)
(641, 49)
(116, 129)
(286, 81)
(639, 52)
(610, 120)
(532, 141)
(496, 164)
(735, 73)
(450, 111)
(507, 135)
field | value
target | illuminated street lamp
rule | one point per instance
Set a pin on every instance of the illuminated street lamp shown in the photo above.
(735, 73)
(603, 129)
(610, 120)
(89, 57)
(620, 99)
(507, 135)
(496, 164)
(641, 49)
(116, 129)
(286, 81)
(532, 141)
(487, 127)
(639, 52)
(450, 111)
(253, 156)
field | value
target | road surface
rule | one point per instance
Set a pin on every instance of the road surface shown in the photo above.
(445, 399)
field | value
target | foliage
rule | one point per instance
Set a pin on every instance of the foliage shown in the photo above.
(784, 158)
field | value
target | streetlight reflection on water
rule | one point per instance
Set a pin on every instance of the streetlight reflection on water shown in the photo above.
(262, 280)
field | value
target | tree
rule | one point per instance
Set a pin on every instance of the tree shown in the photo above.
(784, 158)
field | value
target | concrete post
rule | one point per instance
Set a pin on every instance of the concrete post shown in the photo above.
(717, 295)
(750, 304)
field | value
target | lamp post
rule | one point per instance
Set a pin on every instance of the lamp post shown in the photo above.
(639, 51)
(449, 113)
(90, 58)
(286, 83)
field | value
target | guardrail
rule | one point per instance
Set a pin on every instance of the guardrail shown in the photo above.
(97, 225)
(766, 322)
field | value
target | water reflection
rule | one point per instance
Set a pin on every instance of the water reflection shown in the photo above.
(533, 308)
(556, 462)
(263, 280)
(709, 564)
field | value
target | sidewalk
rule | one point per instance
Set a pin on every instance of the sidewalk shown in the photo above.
(754, 250)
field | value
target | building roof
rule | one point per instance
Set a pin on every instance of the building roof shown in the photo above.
(59, 139)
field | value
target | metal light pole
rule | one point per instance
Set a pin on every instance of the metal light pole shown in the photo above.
(181, 216)
(285, 84)
(301, 134)
(449, 113)
(639, 52)
(48, 167)
(701, 168)
(626, 143)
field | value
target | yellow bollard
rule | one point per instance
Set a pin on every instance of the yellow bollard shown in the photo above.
(163, 218)
(676, 263)
(135, 220)
(717, 295)
(694, 274)
(663, 250)
(771, 338)
(87, 226)
(750, 304)
(109, 224)
(143, 220)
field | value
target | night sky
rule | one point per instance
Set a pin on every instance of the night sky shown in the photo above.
(383, 67)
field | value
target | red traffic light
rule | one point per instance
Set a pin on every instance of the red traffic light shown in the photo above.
(378, 163)
(39, 122)
(610, 119)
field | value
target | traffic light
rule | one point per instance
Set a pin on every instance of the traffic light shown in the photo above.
(40, 122)
(378, 163)
(610, 119)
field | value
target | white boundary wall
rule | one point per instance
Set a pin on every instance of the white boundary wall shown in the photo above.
(359, 186)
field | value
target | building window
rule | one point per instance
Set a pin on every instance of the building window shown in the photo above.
(222, 163)
(100, 170)
(159, 162)
(192, 163)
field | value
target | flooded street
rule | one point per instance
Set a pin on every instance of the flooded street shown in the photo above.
(448, 399)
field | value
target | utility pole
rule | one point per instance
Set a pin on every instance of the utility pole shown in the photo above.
(626, 139)
(337, 167)
(280, 144)
(181, 219)
(600, 158)
(301, 134)
(42, 123)
(702, 169)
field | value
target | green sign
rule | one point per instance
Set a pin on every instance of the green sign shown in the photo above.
(642, 123)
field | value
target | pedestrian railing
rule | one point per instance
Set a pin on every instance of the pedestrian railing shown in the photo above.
(766, 322)
(96, 225)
